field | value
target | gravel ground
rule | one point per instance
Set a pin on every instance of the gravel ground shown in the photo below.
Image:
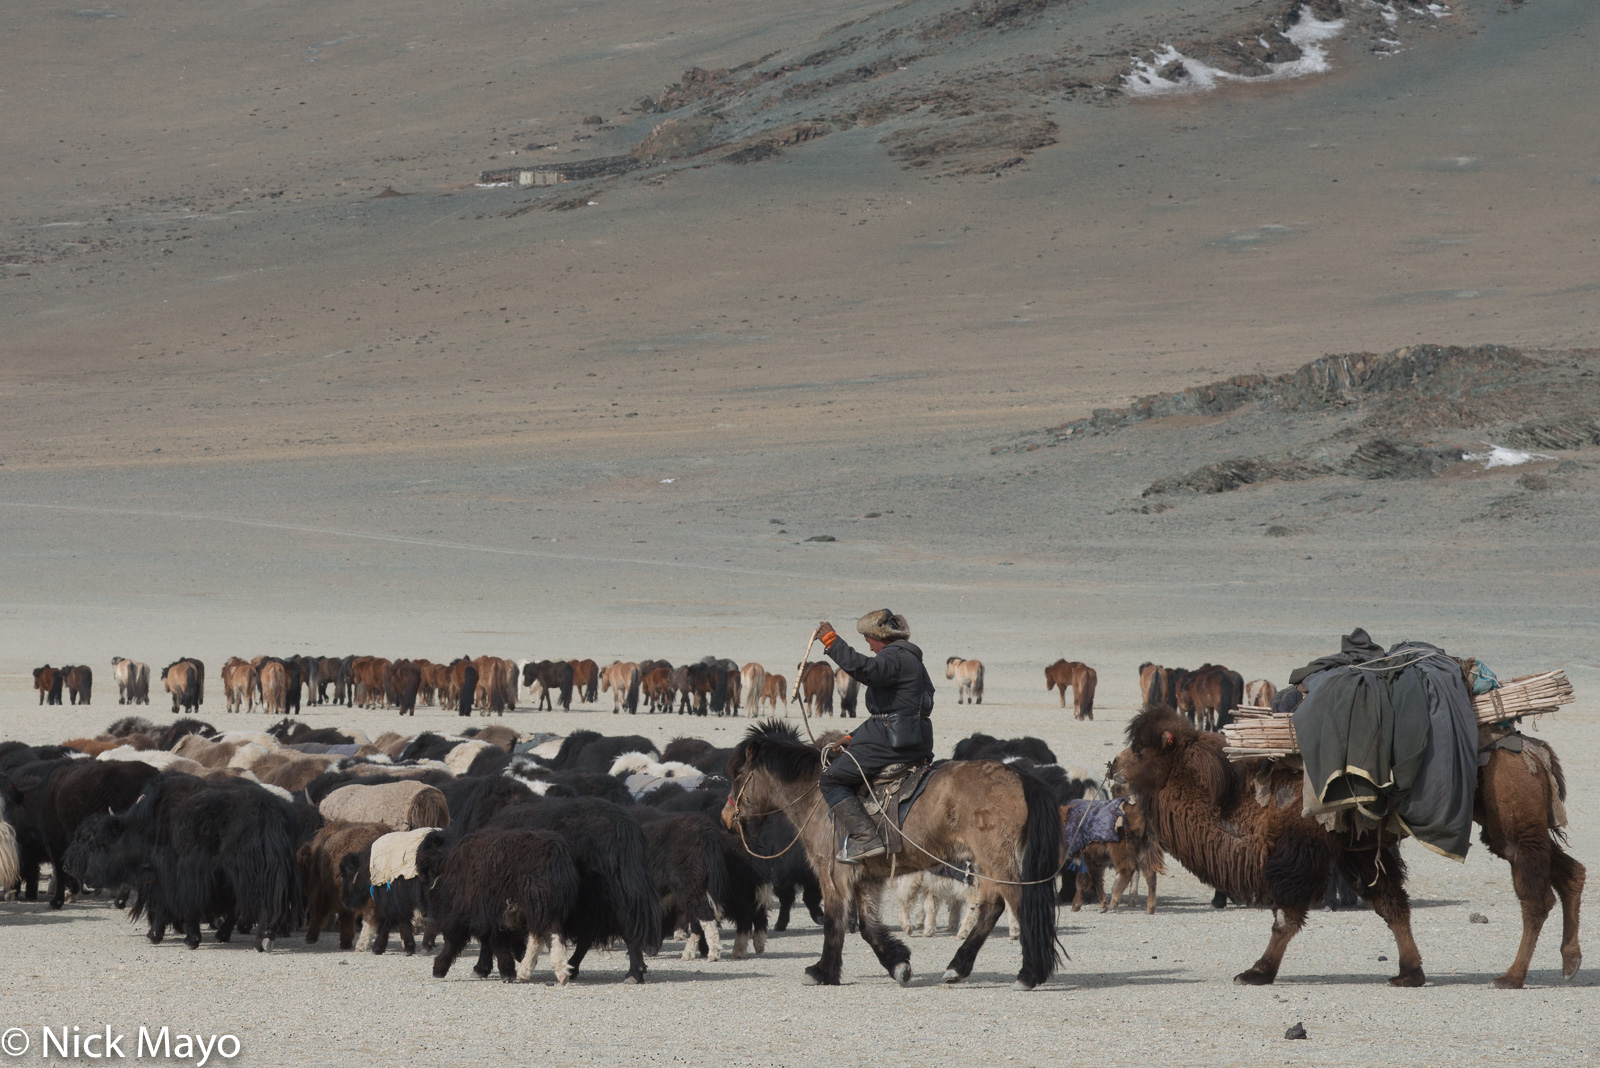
(1156, 988)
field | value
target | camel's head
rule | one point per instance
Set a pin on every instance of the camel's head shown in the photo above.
(1157, 742)
(1166, 752)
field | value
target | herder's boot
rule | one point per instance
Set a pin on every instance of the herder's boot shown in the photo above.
(863, 840)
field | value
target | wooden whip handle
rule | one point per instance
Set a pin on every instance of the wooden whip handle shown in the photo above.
(800, 670)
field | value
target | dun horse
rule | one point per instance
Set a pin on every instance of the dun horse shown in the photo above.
(1001, 820)
(969, 679)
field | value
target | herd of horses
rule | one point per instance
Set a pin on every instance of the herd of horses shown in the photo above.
(1206, 696)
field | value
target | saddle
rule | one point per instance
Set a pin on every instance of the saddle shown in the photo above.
(889, 797)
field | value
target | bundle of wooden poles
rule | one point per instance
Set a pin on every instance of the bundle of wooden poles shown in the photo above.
(1257, 732)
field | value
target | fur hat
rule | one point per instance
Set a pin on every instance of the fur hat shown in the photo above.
(884, 625)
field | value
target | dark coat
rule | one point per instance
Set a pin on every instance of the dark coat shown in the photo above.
(899, 699)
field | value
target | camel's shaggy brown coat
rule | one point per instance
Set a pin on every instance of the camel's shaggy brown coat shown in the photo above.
(1204, 810)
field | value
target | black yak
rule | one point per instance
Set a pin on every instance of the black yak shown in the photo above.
(53, 799)
(619, 901)
(506, 888)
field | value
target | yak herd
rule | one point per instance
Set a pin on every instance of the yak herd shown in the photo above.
(520, 842)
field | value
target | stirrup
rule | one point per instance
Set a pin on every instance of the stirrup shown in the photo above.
(875, 848)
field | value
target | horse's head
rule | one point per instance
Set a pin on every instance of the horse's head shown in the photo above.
(770, 757)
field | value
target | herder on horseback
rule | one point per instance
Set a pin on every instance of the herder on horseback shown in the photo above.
(897, 731)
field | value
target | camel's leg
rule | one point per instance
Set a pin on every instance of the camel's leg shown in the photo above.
(1530, 875)
(1385, 891)
(1568, 876)
(1286, 924)
(891, 952)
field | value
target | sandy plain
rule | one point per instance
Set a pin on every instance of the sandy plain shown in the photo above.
(253, 405)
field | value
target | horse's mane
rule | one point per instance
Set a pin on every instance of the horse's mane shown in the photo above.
(775, 746)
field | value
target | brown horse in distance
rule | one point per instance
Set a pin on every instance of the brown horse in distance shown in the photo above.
(622, 678)
(1005, 820)
(1081, 677)
(586, 681)
(1258, 693)
(1209, 695)
(239, 685)
(657, 688)
(185, 681)
(1205, 811)
(79, 681)
(47, 680)
(775, 689)
(816, 688)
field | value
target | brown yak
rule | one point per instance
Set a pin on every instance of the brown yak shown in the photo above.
(1204, 811)
(1081, 677)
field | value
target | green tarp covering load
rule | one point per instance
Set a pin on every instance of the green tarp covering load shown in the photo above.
(1390, 736)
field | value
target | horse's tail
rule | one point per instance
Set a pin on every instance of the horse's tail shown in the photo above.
(1041, 860)
(631, 702)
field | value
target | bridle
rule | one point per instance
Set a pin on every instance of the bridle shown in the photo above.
(738, 821)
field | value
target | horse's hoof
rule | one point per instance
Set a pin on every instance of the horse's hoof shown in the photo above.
(1505, 982)
(1253, 978)
(901, 973)
(1023, 984)
(265, 946)
(633, 980)
(950, 976)
(1570, 965)
(1415, 978)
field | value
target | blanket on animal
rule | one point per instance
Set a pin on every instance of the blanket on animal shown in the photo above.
(1087, 822)
(1392, 737)
(394, 856)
